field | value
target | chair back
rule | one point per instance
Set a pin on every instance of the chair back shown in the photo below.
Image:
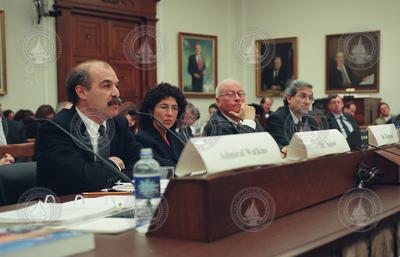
(16, 179)
(26, 150)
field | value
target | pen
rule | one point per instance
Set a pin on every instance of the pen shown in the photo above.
(96, 194)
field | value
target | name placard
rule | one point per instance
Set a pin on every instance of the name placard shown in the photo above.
(311, 144)
(379, 135)
(221, 153)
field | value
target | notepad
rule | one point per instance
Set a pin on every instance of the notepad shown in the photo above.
(104, 225)
(69, 212)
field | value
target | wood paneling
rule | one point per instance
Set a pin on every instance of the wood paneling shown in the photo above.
(99, 29)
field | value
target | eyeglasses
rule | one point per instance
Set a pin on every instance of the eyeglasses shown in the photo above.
(304, 97)
(166, 108)
(232, 94)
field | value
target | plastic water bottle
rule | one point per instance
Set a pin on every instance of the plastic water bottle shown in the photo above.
(146, 176)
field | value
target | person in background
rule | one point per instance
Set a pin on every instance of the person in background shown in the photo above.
(45, 111)
(350, 108)
(126, 110)
(166, 103)
(384, 115)
(22, 114)
(8, 114)
(32, 125)
(213, 108)
(266, 103)
(343, 122)
(63, 105)
(188, 126)
(11, 131)
(234, 116)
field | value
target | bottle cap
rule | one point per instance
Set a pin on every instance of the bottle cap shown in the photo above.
(146, 152)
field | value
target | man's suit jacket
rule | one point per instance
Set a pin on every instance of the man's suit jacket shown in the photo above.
(334, 125)
(219, 125)
(197, 83)
(65, 167)
(268, 79)
(14, 131)
(337, 78)
(165, 155)
(281, 126)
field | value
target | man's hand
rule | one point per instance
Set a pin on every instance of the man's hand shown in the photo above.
(196, 75)
(246, 112)
(117, 161)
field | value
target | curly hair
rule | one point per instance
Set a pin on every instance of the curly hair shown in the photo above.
(156, 94)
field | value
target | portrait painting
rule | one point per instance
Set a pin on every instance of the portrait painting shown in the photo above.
(198, 73)
(352, 62)
(276, 65)
(3, 71)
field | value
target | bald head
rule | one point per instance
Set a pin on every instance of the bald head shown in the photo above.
(82, 75)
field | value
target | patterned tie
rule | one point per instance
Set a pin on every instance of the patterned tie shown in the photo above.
(103, 143)
(199, 62)
(345, 128)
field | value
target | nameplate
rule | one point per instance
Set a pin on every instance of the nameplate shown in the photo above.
(312, 144)
(221, 153)
(379, 135)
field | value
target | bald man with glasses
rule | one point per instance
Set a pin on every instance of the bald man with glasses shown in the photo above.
(234, 115)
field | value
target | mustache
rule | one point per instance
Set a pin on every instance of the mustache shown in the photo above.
(115, 100)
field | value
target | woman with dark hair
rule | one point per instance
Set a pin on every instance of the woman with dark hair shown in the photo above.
(166, 103)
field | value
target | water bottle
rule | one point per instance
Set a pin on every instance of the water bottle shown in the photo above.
(146, 176)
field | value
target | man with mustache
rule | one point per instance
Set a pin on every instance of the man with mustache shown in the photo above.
(65, 148)
(234, 116)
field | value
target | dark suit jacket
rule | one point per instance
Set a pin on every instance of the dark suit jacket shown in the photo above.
(165, 155)
(268, 79)
(281, 126)
(218, 125)
(197, 83)
(334, 125)
(66, 167)
(337, 79)
(14, 131)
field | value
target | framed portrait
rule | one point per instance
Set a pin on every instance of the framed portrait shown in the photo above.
(198, 58)
(3, 72)
(352, 62)
(276, 65)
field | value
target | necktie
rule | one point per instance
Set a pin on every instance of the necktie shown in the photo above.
(199, 63)
(103, 143)
(299, 126)
(345, 128)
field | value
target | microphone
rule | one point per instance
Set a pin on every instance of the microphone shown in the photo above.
(116, 171)
(134, 112)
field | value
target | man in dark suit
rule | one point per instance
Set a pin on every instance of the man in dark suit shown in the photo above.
(65, 146)
(341, 75)
(197, 69)
(294, 116)
(276, 77)
(234, 115)
(12, 132)
(343, 122)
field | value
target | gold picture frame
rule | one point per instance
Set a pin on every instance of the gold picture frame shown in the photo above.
(3, 70)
